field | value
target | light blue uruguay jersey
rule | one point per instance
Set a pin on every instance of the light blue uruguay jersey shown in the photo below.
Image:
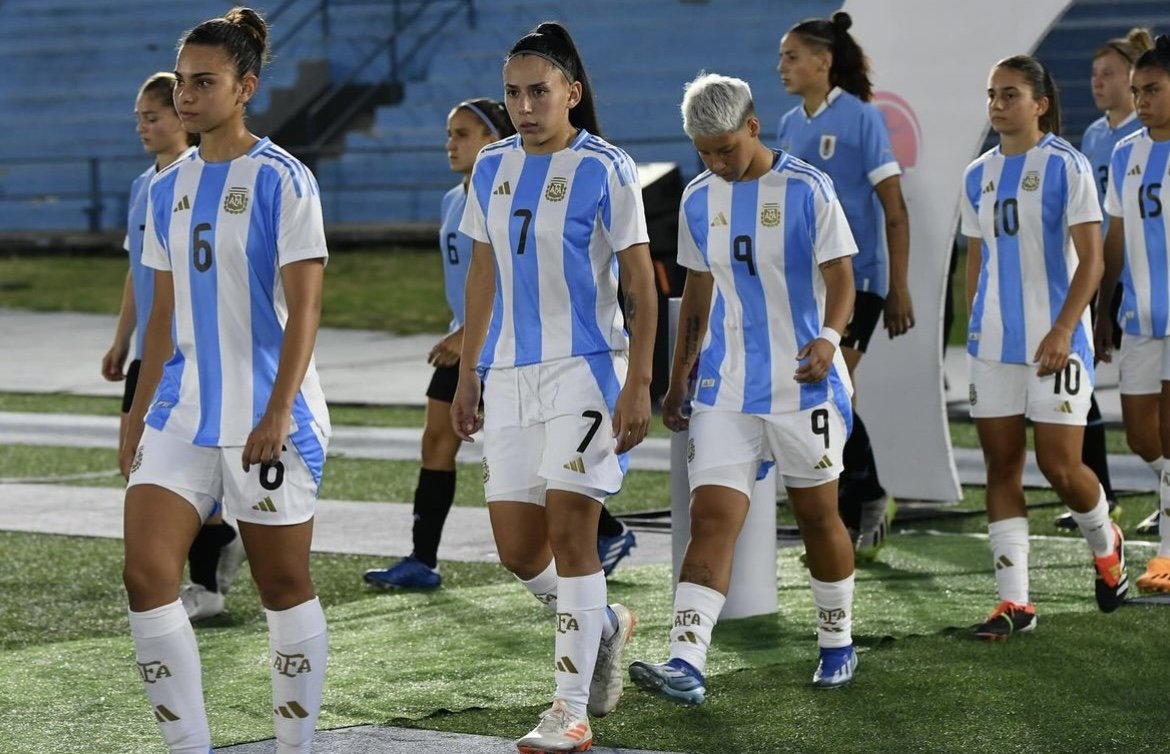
(1097, 144)
(847, 139)
(1021, 207)
(1136, 176)
(763, 241)
(141, 275)
(456, 247)
(555, 223)
(224, 230)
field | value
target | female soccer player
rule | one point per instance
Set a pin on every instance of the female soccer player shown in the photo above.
(556, 216)
(471, 126)
(1030, 213)
(234, 232)
(217, 552)
(769, 289)
(1111, 65)
(1137, 252)
(837, 130)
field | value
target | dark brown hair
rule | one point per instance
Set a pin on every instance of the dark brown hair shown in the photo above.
(241, 32)
(551, 40)
(161, 86)
(1042, 85)
(1157, 56)
(850, 68)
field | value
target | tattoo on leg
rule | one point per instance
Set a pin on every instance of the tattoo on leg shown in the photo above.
(696, 573)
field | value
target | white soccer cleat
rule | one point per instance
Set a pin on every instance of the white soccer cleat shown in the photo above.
(605, 688)
(559, 730)
(200, 602)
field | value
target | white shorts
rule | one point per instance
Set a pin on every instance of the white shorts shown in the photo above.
(550, 426)
(278, 494)
(998, 390)
(1144, 364)
(726, 447)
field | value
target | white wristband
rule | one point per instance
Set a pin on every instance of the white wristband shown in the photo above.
(831, 335)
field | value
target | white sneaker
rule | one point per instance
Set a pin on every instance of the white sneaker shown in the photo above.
(559, 730)
(200, 602)
(231, 557)
(605, 688)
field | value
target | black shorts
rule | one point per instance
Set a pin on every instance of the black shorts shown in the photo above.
(443, 383)
(131, 385)
(867, 310)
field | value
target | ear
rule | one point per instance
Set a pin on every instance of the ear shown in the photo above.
(248, 86)
(753, 125)
(575, 92)
(1042, 106)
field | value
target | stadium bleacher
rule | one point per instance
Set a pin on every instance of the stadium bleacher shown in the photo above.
(70, 152)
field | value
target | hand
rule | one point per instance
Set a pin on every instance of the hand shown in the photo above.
(1103, 337)
(1052, 353)
(816, 358)
(114, 361)
(631, 417)
(672, 409)
(446, 351)
(129, 447)
(267, 441)
(899, 312)
(465, 417)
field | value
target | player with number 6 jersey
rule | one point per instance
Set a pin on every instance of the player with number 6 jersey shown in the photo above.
(769, 289)
(1029, 209)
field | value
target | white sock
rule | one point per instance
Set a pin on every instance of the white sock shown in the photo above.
(1009, 548)
(580, 613)
(696, 610)
(834, 602)
(168, 663)
(1156, 467)
(1096, 526)
(1164, 507)
(298, 648)
(544, 586)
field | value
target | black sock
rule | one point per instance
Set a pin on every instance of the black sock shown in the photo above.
(203, 557)
(1093, 449)
(607, 525)
(859, 478)
(432, 501)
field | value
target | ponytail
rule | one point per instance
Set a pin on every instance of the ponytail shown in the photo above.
(850, 67)
(551, 41)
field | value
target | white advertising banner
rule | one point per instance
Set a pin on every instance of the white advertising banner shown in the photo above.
(930, 63)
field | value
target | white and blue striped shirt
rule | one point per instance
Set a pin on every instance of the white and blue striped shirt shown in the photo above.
(224, 230)
(141, 275)
(456, 248)
(1136, 175)
(763, 241)
(1097, 144)
(555, 223)
(1021, 207)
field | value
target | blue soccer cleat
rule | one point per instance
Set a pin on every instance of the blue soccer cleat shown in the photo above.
(836, 668)
(611, 550)
(676, 680)
(408, 573)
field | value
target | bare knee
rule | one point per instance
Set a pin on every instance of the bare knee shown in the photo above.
(816, 518)
(439, 447)
(282, 589)
(149, 585)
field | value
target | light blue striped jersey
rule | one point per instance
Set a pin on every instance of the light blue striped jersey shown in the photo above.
(847, 139)
(1021, 207)
(555, 223)
(1097, 144)
(763, 241)
(224, 230)
(456, 248)
(1136, 176)
(141, 276)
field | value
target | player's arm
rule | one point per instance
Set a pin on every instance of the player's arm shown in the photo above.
(303, 281)
(899, 308)
(631, 417)
(115, 359)
(840, 291)
(1052, 353)
(1114, 260)
(156, 349)
(693, 312)
(478, 297)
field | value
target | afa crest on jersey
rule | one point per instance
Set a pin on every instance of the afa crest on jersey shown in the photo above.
(770, 215)
(828, 146)
(556, 190)
(1031, 180)
(235, 201)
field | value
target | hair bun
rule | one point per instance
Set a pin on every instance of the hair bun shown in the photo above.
(251, 21)
(1162, 44)
(841, 21)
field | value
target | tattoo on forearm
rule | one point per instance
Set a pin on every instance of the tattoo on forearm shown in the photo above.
(631, 309)
(691, 339)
